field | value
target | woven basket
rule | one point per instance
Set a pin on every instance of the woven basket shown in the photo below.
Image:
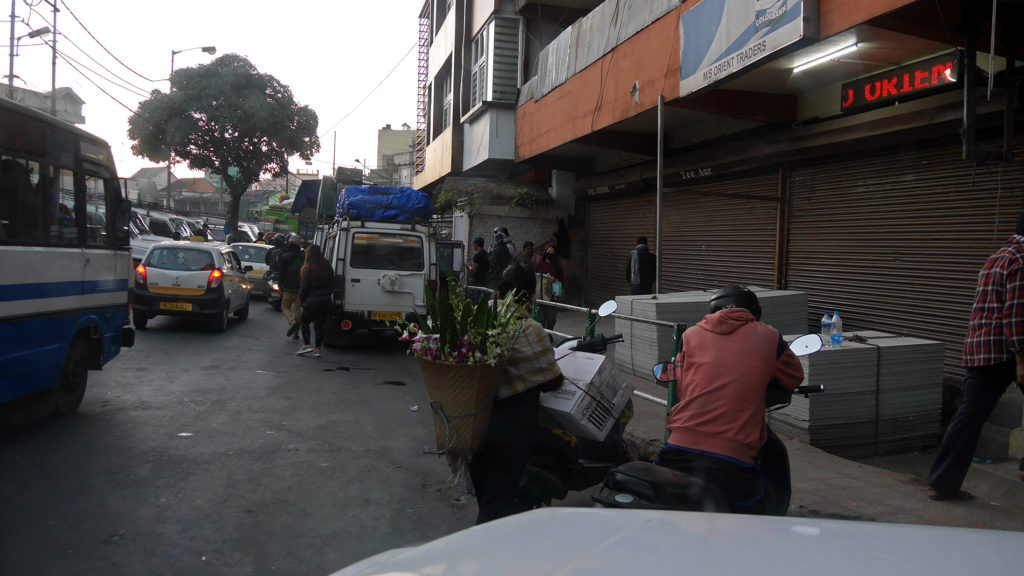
(461, 398)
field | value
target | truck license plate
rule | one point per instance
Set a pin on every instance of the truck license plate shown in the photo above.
(379, 315)
(180, 306)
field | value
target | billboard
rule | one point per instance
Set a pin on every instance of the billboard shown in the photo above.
(718, 38)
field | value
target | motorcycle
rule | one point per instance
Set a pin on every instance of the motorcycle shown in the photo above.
(562, 461)
(273, 289)
(646, 485)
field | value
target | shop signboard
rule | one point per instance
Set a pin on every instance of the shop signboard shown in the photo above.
(921, 78)
(719, 38)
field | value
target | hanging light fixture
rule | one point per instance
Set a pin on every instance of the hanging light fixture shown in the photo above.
(830, 56)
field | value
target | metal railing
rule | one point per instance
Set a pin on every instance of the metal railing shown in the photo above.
(591, 320)
(592, 317)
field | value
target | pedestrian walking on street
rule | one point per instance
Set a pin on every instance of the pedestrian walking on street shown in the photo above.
(642, 268)
(290, 264)
(993, 357)
(317, 284)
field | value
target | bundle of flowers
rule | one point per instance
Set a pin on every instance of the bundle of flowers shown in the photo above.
(460, 331)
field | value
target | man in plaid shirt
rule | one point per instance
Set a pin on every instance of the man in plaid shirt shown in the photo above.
(993, 357)
(498, 466)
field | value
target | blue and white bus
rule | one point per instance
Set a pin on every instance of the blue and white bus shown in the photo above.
(65, 260)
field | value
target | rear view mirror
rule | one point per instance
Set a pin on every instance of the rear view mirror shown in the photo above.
(806, 344)
(665, 371)
(607, 309)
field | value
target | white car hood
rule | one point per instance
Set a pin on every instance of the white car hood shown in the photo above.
(589, 541)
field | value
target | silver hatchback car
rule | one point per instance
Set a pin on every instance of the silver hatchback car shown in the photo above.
(198, 279)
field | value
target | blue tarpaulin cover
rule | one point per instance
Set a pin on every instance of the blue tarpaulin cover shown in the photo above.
(384, 203)
(306, 195)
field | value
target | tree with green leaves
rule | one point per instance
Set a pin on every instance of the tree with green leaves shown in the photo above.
(227, 118)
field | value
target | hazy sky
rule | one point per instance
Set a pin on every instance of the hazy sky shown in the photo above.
(336, 55)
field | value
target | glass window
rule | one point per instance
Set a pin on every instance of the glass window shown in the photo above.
(65, 214)
(95, 211)
(181, 259)
(21, 201)
(383, 251)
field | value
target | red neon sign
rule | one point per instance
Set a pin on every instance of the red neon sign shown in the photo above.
(921, 78)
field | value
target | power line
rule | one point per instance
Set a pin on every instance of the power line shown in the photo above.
(130, 69)
(127, 84)
(133, 89)
(365, 98)
(98, 87)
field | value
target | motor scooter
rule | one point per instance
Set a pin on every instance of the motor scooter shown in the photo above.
(562, 461)
(649, 486)
(274, 295)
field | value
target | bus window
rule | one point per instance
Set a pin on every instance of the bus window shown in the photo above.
(21, 205)
(95, 211)
(64, 214)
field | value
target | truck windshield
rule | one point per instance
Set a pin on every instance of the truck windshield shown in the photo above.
(383, 251)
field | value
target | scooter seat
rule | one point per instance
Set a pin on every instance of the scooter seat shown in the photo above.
(654, 486)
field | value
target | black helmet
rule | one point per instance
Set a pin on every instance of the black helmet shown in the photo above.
(279, 240)
(733, 296)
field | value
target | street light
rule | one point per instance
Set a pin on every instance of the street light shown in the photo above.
(14, 52)
(170, 155)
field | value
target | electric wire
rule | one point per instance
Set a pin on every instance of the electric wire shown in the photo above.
(370, 93)
(132, 89)
(91, 81)
(129, 68)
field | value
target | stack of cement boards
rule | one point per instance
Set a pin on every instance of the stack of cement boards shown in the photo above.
(647, 344)
(883, 394)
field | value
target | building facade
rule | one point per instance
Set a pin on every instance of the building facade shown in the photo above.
(867, 153)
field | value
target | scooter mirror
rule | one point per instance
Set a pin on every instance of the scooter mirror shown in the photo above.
(607, 309)
(665, 371)
(806, 344)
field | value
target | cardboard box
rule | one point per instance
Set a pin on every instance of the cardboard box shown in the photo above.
(590, 399)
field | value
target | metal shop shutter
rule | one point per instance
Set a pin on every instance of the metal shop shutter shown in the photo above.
(719, 233)
(895, 241)
(612, 227)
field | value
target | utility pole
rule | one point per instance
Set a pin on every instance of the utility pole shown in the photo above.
(53, 72)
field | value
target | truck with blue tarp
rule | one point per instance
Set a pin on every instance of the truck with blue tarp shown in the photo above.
(384, 253)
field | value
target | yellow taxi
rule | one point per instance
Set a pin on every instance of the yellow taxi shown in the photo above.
(198, 279)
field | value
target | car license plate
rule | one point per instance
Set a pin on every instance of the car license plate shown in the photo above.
(379, 315)
(180, 306)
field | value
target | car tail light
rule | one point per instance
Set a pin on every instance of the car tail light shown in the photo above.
(140, 275)
(346, 324)
(216, 276)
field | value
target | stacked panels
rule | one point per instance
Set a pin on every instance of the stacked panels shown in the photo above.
(883, 393)
(647, 344)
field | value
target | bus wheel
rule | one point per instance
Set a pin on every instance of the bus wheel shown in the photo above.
(69, 391)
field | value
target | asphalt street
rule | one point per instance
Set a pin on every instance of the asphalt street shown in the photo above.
(203, 453)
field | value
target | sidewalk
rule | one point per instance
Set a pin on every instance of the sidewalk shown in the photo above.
(827, 486)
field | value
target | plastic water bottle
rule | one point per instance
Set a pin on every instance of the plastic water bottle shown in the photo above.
(837, 330)
(826, 331)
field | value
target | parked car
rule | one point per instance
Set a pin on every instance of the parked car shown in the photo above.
(141, 237)
(167, 225)
(197, 279)
(255, 256)
(586, 541)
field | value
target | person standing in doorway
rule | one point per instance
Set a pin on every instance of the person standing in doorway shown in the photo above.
(290, 265)
(550, 271)
(498, 258)
(642, 268)
(993, 357)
